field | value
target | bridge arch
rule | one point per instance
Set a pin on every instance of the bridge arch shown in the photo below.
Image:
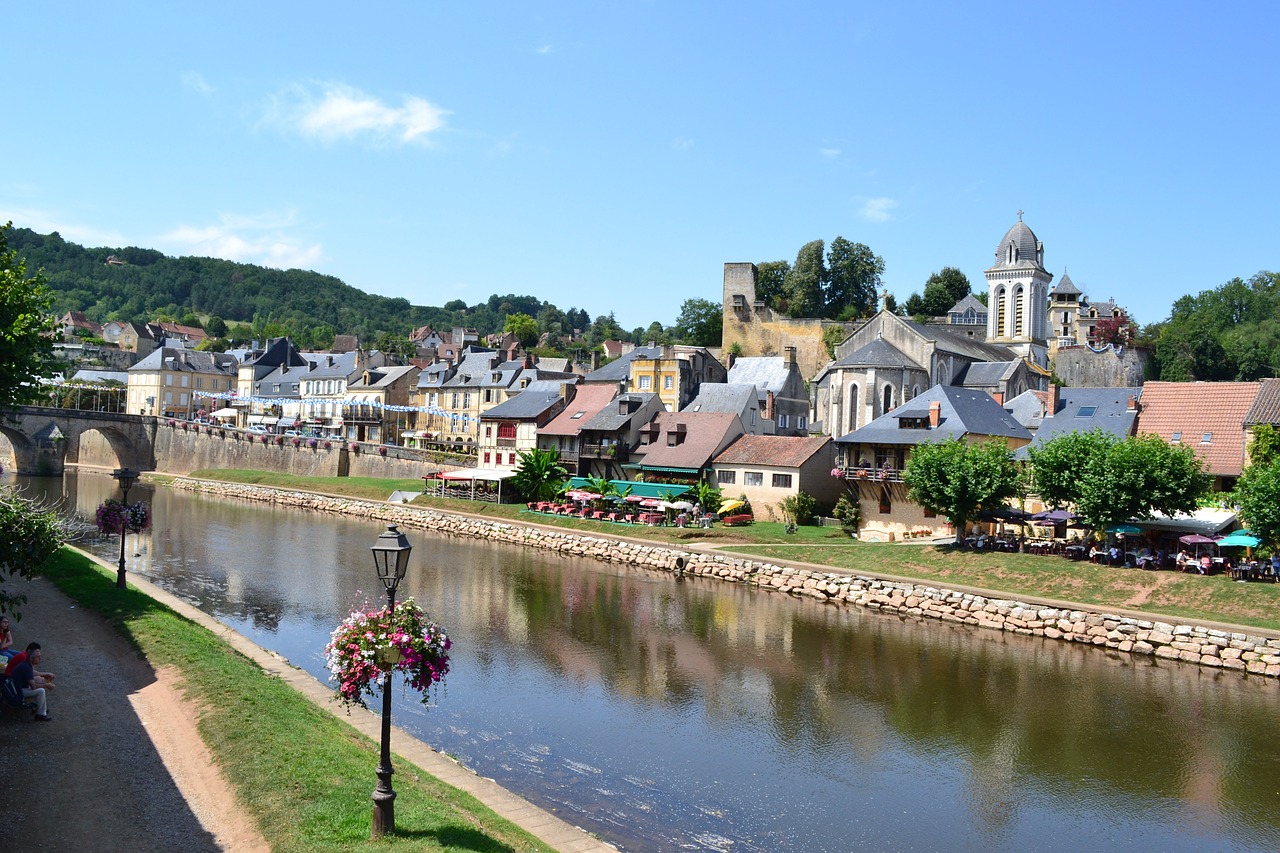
(44, 439)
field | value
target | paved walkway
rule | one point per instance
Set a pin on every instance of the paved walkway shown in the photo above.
(93, 776)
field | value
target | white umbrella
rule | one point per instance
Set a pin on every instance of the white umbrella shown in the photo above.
(225, 413)
(681, 505)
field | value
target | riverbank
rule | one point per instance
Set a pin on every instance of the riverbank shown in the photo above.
(1213, 644)
(302, 770)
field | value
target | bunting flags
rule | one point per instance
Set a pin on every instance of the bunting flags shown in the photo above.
(328, 401)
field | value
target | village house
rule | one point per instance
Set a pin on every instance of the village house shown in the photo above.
(782, 396)
(511, 427)
(677, 447)
(765, 470)
(608, 437)
(564, 433)
(1208, 417)
(871, 459)
(377, 403)
(164, 383)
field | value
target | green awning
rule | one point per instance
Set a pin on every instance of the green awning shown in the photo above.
(640, 490)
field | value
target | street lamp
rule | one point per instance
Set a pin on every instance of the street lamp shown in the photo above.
(126, 477)
(391, 557)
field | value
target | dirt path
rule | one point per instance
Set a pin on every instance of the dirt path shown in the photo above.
(121, 766)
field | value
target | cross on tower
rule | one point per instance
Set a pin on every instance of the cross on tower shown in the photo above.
(1019, 215)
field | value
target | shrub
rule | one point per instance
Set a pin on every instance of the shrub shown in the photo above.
(799, 507)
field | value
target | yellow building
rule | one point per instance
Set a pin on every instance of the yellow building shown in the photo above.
(166, 381)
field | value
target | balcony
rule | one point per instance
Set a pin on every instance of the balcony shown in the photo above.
(362, 414)
(883, 474)
(617, 452)
(506, 442)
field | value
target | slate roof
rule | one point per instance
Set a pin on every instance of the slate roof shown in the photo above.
(984, 374)
(960, 344)
(187, 361)
(1193, 409)
(586, 404)
(963, 412)
(878, 353)
(969, 301)
(705, 434)
(1111, 413)
(782, 451)
(1065, 287)
(720, 397)
(610, 418)
(381, 377)
(766, 372)
(530, 403)
(1266, 406)
(619, 370)
(1028, 248)
(330, 365)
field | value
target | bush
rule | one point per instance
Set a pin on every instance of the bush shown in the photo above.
(799, 507)
(848, 514)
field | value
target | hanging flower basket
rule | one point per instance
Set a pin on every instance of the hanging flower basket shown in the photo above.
(295, 441)
(279, 439)
(382, 450)
(114, 516)
(263, 438)
(328, 445)
(172, 422)
(367, 645)
(311, 442)
(354, 448)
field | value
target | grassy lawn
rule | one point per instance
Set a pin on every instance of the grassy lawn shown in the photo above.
(304, 775)
(1215, 598)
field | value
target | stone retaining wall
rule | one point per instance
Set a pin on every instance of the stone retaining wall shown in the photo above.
(1253, 653)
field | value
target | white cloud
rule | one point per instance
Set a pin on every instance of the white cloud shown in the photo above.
(545, 50)
(195, 81)
(878, 209)
(829, 153)
(342, 112)
(682, 143)
(43, 222)
(260, 240)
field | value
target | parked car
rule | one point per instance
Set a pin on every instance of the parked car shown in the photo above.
(257, 428)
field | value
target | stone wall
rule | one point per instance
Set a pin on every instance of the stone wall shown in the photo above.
(1081, 367)
(1247, 653)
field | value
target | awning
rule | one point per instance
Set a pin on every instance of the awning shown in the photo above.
(477, 474)
(265, 419)
(638, 490)
(226, 413)
(285, 422)
(1203, 521)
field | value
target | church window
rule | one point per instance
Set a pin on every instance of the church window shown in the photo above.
(1017, 313)
(888, 398)
(853, 407)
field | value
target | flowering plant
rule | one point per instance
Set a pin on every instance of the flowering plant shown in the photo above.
(382, 450)
(264, 438)
(354, 448)
(311, 442)
(328, 445)
(295, 441)
(367, 645)
(115, 517)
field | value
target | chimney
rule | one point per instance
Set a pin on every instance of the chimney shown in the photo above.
(1051, 405)
(791, 355)
(595, 359)
(769, 404)
(733, 358)
(998, 396)
(1133, 403)
(935, 414)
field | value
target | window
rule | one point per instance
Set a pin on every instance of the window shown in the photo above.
(726, 478)
(466, 400)
(1177, 438)
(186, 380)
(668, 383)
(488, 395)
(486, 457)
(645, 383)
(511, 459)
(168, 379)
(454, 403)
(200, 383)
(488, 432)
(752, 478)
(1086, 411)
(783, 421)
(802, 422)
(507, 430)
(1207, 438)
(886, 505)
(928, 513)
(781, 481)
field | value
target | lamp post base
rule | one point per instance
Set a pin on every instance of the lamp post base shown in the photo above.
(384, 812)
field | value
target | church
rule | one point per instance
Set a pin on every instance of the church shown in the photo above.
(889, 359)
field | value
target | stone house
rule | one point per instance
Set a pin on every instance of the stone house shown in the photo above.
(377, 403)
(780, 385)
(871, 459)
(1208, 417)
(768, 469)
(511, 427)
(564, 433)
(608, 437)
(164, 384)
(677, 447)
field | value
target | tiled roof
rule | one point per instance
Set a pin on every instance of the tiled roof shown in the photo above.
(586, 404)
(1266, 407)
(705, 433)
(1192, 410)
(529, 404)
(878, 353)
(783, 451)
(962, 412)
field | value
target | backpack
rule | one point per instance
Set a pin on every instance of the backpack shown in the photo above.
(12, 695)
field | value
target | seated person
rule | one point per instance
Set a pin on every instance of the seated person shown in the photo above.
(32, 684)
(18, 659)
(6, 640)
(1113, 556)
(1205, 563)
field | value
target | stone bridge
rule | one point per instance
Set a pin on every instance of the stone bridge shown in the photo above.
(44, 439)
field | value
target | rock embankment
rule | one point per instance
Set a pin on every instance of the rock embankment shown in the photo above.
(1247, 653)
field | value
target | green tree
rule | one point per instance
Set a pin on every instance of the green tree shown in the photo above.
(524, 327)
(1056, 464)
(771, 277)
(708, 496)
(853, 280)
(806, 282)
(701, 322)
(1258, 495)
(951, 282)
(216, 327)
(1138, 477)
(30, 534)
(957, 479)
(539, 476)
(25, 347)
(1264, 447)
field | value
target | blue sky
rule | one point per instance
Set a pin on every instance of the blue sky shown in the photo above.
(613, 156)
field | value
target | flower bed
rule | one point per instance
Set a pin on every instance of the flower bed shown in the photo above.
(368, 645)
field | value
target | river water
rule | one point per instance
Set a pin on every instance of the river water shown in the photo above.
(696, 715)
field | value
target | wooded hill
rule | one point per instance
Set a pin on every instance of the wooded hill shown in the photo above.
(141, 284)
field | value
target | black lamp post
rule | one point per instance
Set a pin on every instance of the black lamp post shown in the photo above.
(127, 477)
(391, 557)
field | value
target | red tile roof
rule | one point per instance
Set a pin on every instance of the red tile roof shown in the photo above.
(1194, 409)
(783, 451)
(705, 433)
(588, 400)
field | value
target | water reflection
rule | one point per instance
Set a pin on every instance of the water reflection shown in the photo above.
(701, 715)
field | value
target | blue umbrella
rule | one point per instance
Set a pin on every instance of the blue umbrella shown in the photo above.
(1127, 529)
(1239, 539)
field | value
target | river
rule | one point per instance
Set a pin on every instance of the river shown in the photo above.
(667, 714)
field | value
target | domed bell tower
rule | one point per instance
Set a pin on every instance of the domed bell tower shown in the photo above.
(1018, 295)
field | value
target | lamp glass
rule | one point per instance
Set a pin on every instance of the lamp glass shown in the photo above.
(391, 556)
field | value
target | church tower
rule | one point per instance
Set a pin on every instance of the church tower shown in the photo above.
(1018, 295)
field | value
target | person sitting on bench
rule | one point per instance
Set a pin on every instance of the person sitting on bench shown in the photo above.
(31, 683)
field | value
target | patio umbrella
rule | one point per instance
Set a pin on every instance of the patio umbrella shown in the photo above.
(682, 505)
(730, 506)
(1126, 529)
(1054, 516)
(1239, 539)
(1197, 540)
